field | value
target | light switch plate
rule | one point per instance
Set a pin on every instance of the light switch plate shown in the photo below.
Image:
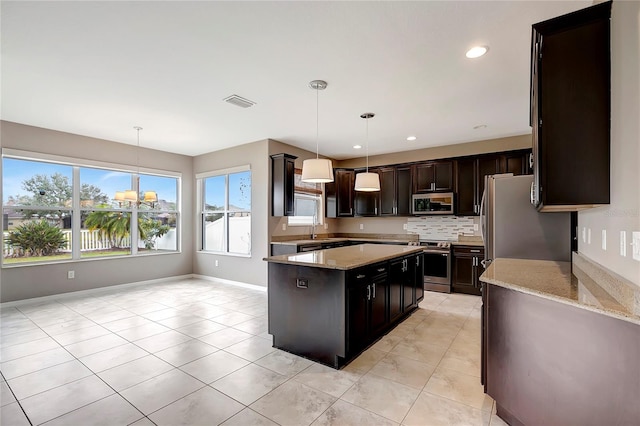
(635, 242)
(604, 239)
(404, 226)
(284, 226)
(361, 226)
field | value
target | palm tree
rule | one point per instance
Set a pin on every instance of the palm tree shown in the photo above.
(115, 226)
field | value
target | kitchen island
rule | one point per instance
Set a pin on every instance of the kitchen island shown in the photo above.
(329, 305)
(557, 348)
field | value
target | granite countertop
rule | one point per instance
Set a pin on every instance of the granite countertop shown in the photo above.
(305, 242)
(555, 281)
(345, 258)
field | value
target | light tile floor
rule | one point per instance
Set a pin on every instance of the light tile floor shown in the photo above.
(193, 352)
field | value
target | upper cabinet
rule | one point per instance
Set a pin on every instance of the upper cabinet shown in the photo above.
(433, 176)
(395, 191)
(471, 173)
(283, 170)
(571, 110)
(339, 194)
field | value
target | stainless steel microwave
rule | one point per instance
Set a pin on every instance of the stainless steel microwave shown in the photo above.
(433, 203)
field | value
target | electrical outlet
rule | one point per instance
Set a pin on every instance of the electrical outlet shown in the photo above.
(361, 226)
(217, 262)
(475, 226)
(635, 242)
(71, 275)
(588, 235)
(604, 239)
(326, 225)
(623, 243)
(284, 226)
(404, 226)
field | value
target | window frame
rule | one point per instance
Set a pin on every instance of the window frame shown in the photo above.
(77, 210)
(226, 211)
(307, 190)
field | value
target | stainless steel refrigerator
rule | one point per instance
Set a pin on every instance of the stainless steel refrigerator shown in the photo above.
(513, 228)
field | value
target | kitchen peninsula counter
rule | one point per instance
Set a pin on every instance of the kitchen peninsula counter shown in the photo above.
(556, 347)
(329, 305)
(556, 281)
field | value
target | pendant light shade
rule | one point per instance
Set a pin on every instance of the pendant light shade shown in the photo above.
(367, 182)
(317, 170)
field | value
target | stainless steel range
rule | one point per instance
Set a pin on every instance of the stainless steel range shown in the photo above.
(437, 266)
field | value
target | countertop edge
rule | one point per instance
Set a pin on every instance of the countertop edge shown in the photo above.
(409, 250)
(629, 317)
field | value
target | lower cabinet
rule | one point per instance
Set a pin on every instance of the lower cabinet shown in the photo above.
(331, 315)
(467, 268)
(367, 306)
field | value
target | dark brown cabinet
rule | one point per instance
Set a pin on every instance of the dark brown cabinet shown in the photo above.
(471, 172)
(467, 268)
(367, 296)
(395, 191)
(571, 110)
(339, 194)
(433, 176)
(283, 170)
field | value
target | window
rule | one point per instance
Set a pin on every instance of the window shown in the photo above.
(307, 201)
(75, 211)
(226, 211)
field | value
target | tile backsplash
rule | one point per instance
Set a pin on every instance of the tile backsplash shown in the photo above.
(441, 227)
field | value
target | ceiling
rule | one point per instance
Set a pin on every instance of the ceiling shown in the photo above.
(100, 68)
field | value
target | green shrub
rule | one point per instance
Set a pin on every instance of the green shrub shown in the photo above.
(37, 238)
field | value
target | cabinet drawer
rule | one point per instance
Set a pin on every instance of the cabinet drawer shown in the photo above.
(468, 250)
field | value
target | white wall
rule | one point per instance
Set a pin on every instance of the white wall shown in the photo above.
(42, 280)
(623, 214)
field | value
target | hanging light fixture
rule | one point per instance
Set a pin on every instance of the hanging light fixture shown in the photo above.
(131, 195)
(317, 170)
(367, 182)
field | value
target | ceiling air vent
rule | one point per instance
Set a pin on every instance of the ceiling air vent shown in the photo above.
(239, 101)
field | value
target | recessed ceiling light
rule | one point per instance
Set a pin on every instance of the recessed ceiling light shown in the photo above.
(476, 51)
(357, 146)
(480, 126)
(411, 138)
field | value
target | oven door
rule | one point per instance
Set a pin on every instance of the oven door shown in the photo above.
(437, 267)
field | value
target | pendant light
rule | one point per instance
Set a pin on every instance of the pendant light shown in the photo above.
(131, 195)
(367, 182)
(317, 170)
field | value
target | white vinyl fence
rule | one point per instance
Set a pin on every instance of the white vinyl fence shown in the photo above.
(92, 241)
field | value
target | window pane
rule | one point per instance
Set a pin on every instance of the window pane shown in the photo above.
(158, 232)
(165, 188)
(214, 193)
(105, 233)
(44, 237)
(304, 206)
(240, 232)
(98, 187)
(240, 191)
(214, 232)
(36, 183)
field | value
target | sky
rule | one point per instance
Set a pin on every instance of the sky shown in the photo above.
(17, 171)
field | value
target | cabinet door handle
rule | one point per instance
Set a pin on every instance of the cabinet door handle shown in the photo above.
(381, 269)
(375, 211)
(417, 261)
(474, 251)
(374, 290)
(531, 160)
(368, 292)
(533, 193)
(360, 276)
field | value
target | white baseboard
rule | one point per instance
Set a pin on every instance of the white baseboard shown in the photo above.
(236, 283)
(92, 291)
